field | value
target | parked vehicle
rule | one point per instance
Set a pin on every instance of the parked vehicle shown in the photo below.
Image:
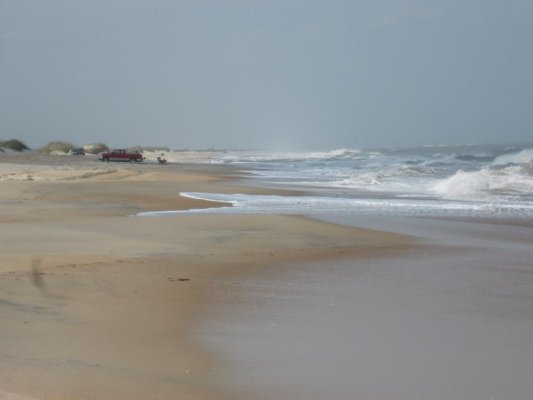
(120, 155)
(80, 151)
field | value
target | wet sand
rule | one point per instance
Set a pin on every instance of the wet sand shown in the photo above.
(99, 304)
(449, 319)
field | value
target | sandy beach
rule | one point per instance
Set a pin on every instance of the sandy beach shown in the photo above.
(99, 304)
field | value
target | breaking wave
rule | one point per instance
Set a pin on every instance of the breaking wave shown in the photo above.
(509, 176)
(522, 157)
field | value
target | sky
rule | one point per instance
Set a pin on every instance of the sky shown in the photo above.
(266, 74)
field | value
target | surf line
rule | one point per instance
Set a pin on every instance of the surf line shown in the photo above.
(275, 204)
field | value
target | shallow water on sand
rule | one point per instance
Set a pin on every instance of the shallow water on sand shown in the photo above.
(450, 320)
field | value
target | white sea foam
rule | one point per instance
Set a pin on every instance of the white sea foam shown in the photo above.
(396, 178)
(260, 204)
(486, 184)
(464, 185)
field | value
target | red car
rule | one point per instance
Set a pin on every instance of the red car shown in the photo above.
(120, 155)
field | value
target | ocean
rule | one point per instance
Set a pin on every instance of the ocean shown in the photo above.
(461, 180)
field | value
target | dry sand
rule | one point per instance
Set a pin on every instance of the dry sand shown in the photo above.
(97, 303)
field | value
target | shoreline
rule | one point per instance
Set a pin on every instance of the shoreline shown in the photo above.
(78, 274)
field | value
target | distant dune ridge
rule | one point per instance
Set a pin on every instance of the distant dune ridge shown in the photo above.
(54, 147)
(13, 144)
(59, 147)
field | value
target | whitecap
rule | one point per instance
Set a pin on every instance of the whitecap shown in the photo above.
(522, 157)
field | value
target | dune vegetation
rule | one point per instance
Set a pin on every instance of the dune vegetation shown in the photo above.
(13, 144)
(57, 148)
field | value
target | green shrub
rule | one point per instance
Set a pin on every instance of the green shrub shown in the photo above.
(57, 147)
(14, 144)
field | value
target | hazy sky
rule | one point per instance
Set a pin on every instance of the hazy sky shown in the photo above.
(272, 74)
